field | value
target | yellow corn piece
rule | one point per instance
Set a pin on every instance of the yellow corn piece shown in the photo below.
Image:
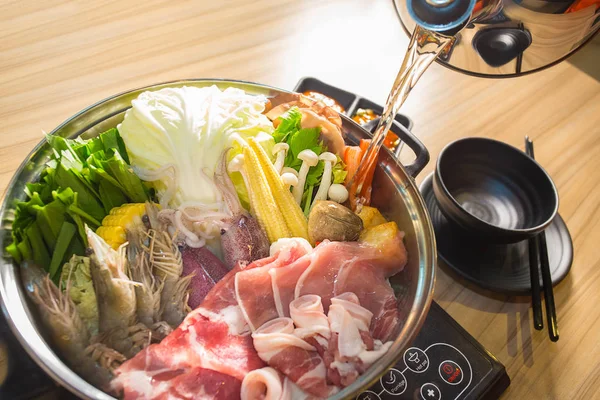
(292, 213)
(263, 204)
(114, 225)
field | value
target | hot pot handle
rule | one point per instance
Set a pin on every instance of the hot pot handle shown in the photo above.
(421, 152)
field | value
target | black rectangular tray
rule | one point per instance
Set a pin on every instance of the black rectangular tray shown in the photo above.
(350, 101)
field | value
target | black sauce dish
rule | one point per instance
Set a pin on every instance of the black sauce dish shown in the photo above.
(492, 191)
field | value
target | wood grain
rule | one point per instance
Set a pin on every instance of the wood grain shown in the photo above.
(57, 57)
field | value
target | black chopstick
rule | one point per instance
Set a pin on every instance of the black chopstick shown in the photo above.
(534, 273)
(538, 248)
(548, 291)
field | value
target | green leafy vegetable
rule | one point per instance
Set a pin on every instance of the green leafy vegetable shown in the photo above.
(289, 131)
(67, 231)
(306, 200)
(77, 273)
(339, 171)
(289, 122)
(82, 182)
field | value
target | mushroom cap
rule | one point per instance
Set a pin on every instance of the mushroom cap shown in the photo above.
(280, 146)
(309, 157)
(235, 165)
(288, 170)
(338, 193)
(289, 179)
(327, 156)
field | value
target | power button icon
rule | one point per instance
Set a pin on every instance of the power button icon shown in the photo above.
(451, 372)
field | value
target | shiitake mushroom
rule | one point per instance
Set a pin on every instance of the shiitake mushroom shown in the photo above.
(332, 221)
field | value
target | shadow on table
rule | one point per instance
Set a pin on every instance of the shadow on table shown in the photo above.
(517, 314)
(588, 58)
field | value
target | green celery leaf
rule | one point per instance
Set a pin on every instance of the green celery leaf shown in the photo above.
(122, 149)
(14, 252)
(25, 250)
(132, 185)
(289, 123)
(67, 231)
(75, 166)
(315, 174)
(87, 200)
(59, 143)
(110, 195)
(305, 139)
(50, 218)
(69, 198)
(31, 188)
(33, 204)
(39, 252)
(307, 199)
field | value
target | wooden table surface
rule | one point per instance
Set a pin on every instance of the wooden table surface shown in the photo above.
(57, 57)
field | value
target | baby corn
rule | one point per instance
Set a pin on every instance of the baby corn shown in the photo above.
(273, 205)
(292, 213)
(114, 225)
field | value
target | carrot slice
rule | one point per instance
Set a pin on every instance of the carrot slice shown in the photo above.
(364, 145)
(365, 193)
(352, 157)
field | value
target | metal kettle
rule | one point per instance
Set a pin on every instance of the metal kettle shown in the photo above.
(502, 38)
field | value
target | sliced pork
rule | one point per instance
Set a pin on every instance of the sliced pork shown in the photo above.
(339, 267)
(283, 282)
(215, 336)
(254, 289)
(277, 345)
(262, 384)
(269, 384)
(342, 308)
(311, 322)
(352, 349)
(329, 270)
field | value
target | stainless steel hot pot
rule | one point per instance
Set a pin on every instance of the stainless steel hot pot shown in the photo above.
(394, 192)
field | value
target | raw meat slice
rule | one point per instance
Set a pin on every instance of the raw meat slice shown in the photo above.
(255, 296)
(277, 345)
(204, 384)
(338, 267)
(197, 383)
(283, 281)
(223, 293)
(269, 384)
(351, 348)
(262, 384)
(214, 336)
(198, 342)
(254, 288)
(291, 391)
(311, 322)
(374, 293)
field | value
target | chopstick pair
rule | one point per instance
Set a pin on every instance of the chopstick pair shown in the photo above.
(538, 259)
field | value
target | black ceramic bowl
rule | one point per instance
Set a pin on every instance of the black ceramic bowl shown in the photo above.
(493, 191)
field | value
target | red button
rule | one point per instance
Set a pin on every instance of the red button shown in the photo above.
(451, 372)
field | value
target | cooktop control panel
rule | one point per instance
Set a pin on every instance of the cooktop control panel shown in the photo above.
(445, 362)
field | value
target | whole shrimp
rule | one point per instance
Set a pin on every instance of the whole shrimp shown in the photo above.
(148, 289)
(167, 265)
(115, 293)
(67, 330)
